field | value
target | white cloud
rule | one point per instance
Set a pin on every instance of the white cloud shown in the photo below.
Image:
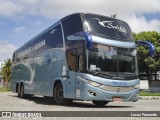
(6, 50)
(9, 8)
(49, 8)
(126, 10)
(139, 24)
(131, 11)
(19, 29)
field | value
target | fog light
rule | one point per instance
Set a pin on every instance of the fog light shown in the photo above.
(92, 93)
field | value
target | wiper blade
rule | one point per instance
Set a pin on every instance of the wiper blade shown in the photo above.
(102, 73)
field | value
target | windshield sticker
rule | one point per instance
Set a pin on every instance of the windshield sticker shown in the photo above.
(110, 25)
(92, 67)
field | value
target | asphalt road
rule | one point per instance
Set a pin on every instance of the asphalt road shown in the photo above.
(10, 102)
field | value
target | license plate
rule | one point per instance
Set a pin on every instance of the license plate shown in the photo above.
(114, 99)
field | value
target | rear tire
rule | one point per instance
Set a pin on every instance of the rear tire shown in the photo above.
(58, 95)
(22, 95)
(100, 103)
(18, 90)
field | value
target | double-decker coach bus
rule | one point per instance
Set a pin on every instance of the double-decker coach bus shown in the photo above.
(81, 57)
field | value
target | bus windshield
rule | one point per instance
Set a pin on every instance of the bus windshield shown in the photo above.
(112, 62)
(107, 27)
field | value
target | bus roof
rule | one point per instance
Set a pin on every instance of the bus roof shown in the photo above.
(57, 23)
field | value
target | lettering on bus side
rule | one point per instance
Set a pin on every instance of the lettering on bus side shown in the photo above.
(31, 49)
(120, 83)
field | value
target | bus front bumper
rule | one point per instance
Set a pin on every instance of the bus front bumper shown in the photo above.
(95, 93)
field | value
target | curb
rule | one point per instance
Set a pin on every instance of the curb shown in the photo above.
(149, 97)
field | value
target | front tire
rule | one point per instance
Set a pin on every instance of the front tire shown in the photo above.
(58, 95)
(100, 103)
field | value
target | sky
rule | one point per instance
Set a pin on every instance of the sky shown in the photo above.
(21, 20)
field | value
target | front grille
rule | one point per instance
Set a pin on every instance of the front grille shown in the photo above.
(117, 89)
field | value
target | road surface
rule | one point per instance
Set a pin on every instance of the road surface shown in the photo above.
(10, 102)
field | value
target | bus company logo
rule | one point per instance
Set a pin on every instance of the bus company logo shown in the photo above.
(120, 83)
(110, 25)
(118, 89)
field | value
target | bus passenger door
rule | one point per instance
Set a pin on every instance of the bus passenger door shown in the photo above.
(75, 59)
(79, 74)
(71, 85)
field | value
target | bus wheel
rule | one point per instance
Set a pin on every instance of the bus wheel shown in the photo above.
(100, 103)
(58, 95)
(18, 91)
(22, 95)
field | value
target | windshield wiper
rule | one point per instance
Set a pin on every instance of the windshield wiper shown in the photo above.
(102, 73)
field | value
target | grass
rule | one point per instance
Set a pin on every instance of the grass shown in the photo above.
(4, 89)
(142, 93)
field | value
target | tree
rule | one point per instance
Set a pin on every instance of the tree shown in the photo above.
(6, 70)
(147, 64)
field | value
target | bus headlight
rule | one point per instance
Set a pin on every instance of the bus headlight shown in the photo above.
(95, 84)
(137, 86)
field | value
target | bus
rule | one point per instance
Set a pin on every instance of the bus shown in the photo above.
(84, 56)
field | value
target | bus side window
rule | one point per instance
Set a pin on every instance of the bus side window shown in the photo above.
(74, 48)
(72, 59)
(72, 25)
(75, 59)
(53, 38)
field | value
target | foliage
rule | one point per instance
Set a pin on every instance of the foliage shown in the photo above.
(142, 93)
(148, 65)
(6, 70)
(4, 89)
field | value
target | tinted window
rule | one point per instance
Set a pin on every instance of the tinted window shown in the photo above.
(76, 56)
(108, 27)
(54, 38)
(71, 25)
(50, 39)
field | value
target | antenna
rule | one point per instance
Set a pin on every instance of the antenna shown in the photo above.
(113, 16)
